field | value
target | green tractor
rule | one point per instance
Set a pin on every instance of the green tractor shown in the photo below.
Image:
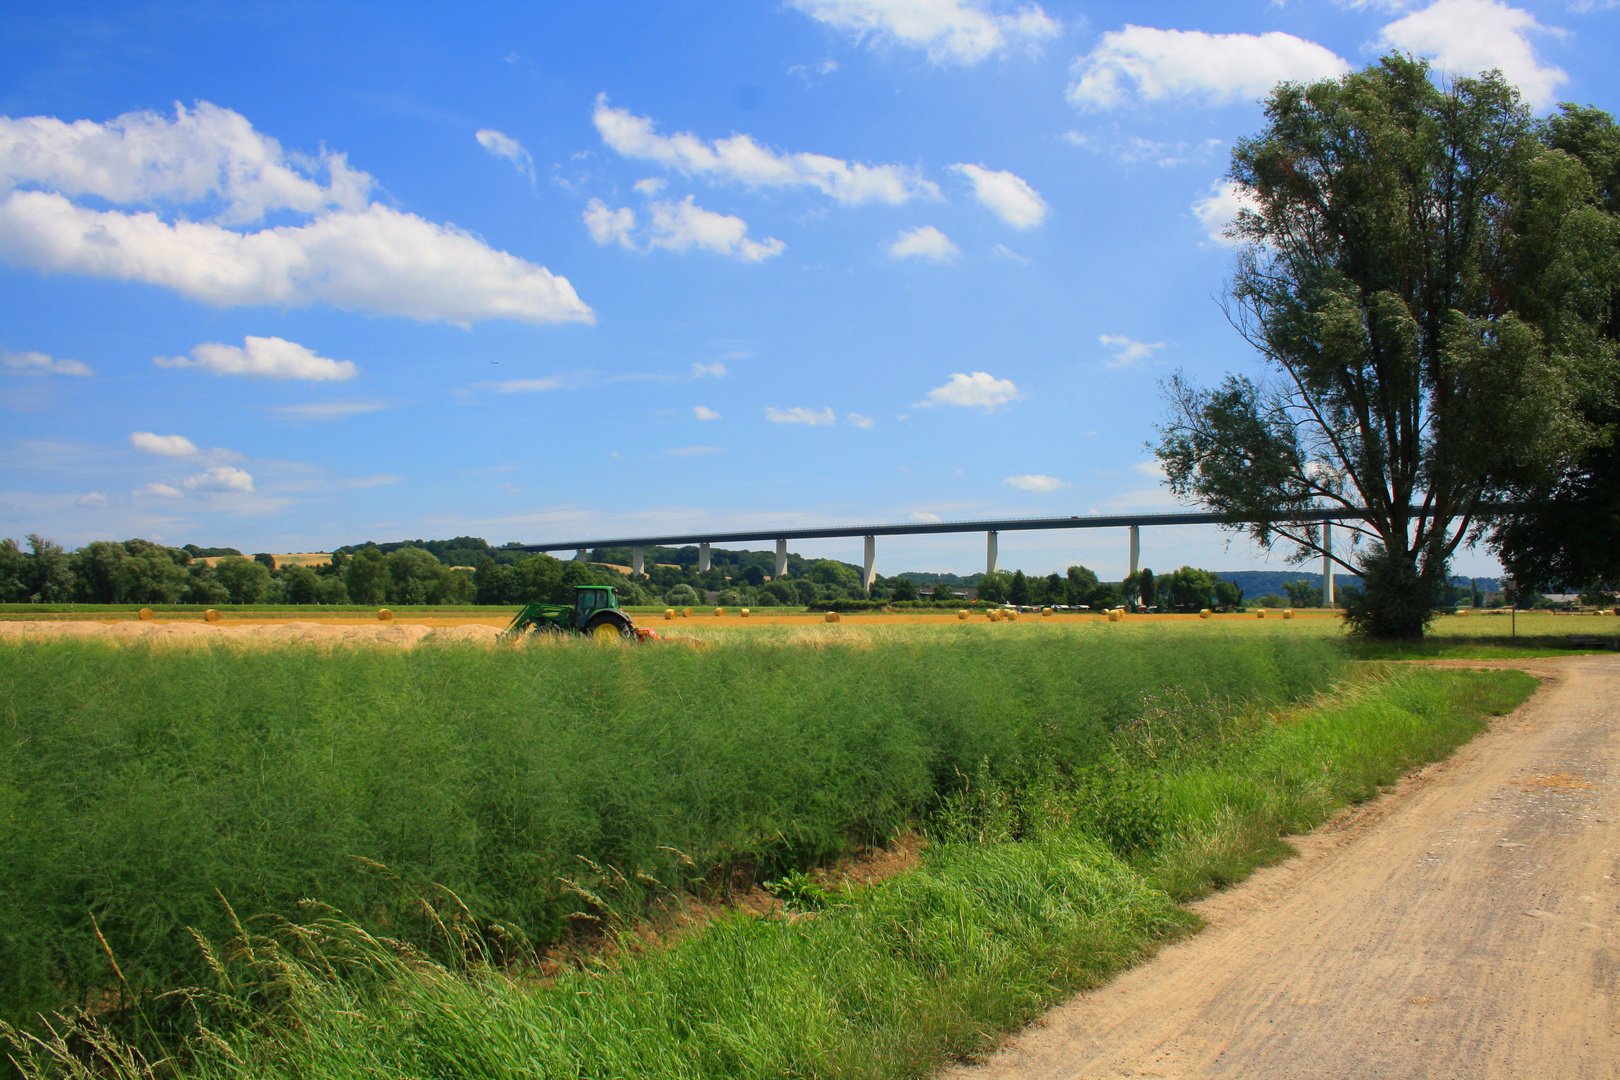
(595, 612)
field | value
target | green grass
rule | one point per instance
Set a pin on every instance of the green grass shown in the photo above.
(887, 981)
(1494, 637)
(543, 787)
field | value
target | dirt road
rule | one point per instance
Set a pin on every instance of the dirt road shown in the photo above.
(1463, 926)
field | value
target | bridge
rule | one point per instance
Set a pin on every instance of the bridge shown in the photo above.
(991, 529)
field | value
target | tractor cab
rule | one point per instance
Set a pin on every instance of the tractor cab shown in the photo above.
(590, 599)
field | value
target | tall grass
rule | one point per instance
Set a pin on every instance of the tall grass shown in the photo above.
(887, 981)
(530, 789)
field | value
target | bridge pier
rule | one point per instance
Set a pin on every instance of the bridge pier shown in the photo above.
(871, 557)
(703, 558)
(990, 552)
(579, 556)
(781, 560)
(1136, 549)
(636, 561)
(1327, 563)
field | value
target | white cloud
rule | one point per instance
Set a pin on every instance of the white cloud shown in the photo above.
(1150, 468)
(377, 260)
(924, 242)
(652, 185)
(262, 358)
(166, 491)
(863, 422)
(532, 386)
(682, 225)
(952, 31)
(607, 225)
(504, 146)
(38, 363)
(92, 498)
(1165, 154)
(1036, 482)
(220, 478)
(692, 451)
(207, 169)
(1217, 210)
(800, 415)
(204, 155)
(1466, 37)
(703, 412)
(1128, 351)
(976, 391)
(163, 445)
(716, 369)
(805, 71)
(740, 159)
(328, 410)
(1002, 251)
(923, 515)
(1007, 196)
(1192, 66)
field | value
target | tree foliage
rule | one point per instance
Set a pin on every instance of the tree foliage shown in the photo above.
(1424, 274)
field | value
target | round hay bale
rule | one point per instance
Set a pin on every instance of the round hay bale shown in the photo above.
(1289, 613)
(211, 615)
(743, 613)
(1010, 616)
(962, 615)
(1045, 611)
(993, 615)
(1462, 613)
(145, 614)
(1204, 613)
(832, 616)
(1113, 614)
(384, 615)
(719, 612)
(669, 613)
(1260, 614)
(686, 613)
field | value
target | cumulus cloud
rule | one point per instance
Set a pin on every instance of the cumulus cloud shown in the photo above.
(716, 369)
(1192, 66)
(703, 412)
(220, 478)
(683, 225)
(206, 170)
(923, 515)
(863, 422)
(38, 363)
(262, 358)
(679, 227)
(504, 146)
(328, 410)
(609, 226)
(175, 446)
(739, 159)
(952, 31)
(1217, 210)
(800, 415)
(1006, 195)
(92, 498)
(976, 391)
(1466, 37)
(166, 491)
(1036, 482)
(1128, 351)
(923, 242)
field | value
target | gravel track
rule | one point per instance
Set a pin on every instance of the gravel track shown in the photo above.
(1463, 926)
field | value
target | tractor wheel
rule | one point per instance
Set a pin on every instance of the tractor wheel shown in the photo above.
(610, 630)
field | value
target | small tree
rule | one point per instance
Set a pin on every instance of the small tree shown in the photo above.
(904, 589)
(1018, 589)
(1147, 590)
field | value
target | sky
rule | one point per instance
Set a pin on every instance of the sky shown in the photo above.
(288, 276)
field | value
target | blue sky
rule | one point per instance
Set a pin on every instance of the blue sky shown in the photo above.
(286, 276)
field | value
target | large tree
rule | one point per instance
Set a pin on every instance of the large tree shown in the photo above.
(1419, 270)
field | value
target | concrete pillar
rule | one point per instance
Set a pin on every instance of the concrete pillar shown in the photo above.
(636, 562)
(703, 558)
(1136, 549)
(871, 557)
(990, 552)
(781, 561)
(579, 556)
(1327, 563)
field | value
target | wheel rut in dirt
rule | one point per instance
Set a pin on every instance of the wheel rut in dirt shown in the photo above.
(1462, 926)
